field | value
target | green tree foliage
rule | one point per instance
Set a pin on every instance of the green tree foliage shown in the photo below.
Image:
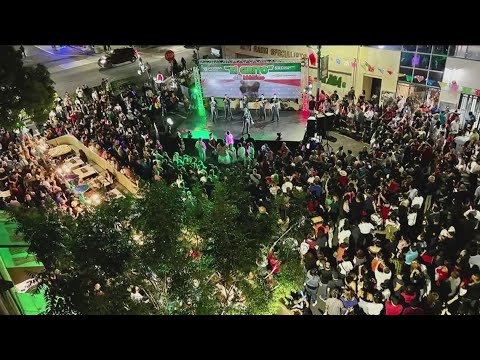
(103, 239)
(235, 232)
(48, 234)
(159, 215)
(23, 89)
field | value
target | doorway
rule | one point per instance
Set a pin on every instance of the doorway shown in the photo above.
(372, 87)
(376, 89)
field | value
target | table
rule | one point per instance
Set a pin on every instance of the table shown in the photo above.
(115, 193)
(85, 171)
(5, 194)
(59, 150)
(73, 163)
(99, 182)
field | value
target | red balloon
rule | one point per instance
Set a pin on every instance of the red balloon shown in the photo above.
(169, 55)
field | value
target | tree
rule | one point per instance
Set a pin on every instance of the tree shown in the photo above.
(23, 89)
(48, 234)
(103, 239)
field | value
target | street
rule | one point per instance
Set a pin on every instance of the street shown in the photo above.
(70, 67)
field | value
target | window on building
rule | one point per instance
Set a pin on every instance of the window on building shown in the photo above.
(460, 51)
(411, 48)
(440, 49)
(473, 52)
(426, 49)
(423, 64)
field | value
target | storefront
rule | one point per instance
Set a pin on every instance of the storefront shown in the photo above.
(372, 69)
(421, 72)
(461, 86)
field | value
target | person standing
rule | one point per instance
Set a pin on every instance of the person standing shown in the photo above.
(351, 95)
(22, 51)
(213, 109)
(201, 148)
(247, 120)
(333, 306)
(229, 138)
(263, 113)
(184, 63)
(312, 283)
(227, 107)
(275, 108)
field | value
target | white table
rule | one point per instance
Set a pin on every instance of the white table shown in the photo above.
(85, 171)
(73, 163)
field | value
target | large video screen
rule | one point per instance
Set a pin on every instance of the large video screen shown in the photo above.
(251, 79)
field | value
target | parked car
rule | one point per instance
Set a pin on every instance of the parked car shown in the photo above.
(118, 56)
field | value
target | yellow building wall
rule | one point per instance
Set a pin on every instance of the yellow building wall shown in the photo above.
(384, 65)
(382, 62)
(340, 60)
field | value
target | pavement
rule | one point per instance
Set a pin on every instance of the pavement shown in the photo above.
(71, 67)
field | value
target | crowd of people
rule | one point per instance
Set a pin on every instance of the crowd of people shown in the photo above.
(394, 227)
(28, 175)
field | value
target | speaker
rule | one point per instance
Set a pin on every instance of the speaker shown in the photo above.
(311, 128)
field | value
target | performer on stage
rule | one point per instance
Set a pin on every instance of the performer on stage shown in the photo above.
(228, 109)
(262, 114)
(247, 120)
(275, 108)
(213, 109)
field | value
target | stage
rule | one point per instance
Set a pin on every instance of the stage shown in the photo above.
(292, 125)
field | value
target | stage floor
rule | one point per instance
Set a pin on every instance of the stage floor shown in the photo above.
(292, 125)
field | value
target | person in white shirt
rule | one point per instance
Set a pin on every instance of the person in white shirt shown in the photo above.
(401, 103)
(369, 114)
(417, 200)
(382, 275)
(475, 259)
(372, 308)
(365, 227)
(454, 127)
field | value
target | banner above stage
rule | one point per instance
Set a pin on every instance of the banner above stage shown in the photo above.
(252, 79)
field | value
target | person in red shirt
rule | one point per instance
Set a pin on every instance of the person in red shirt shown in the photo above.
(413, 309)
(393, 306)
(274, 263)
(409, 294)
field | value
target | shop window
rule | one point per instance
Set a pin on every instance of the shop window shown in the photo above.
(438, 63)
(406, 73)
(406, 59)
(423, 61)
(409, 48)
(427, 49)
(460, 51)
(420, 77)
(473, 52)
(435, 77)
(440, 49)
